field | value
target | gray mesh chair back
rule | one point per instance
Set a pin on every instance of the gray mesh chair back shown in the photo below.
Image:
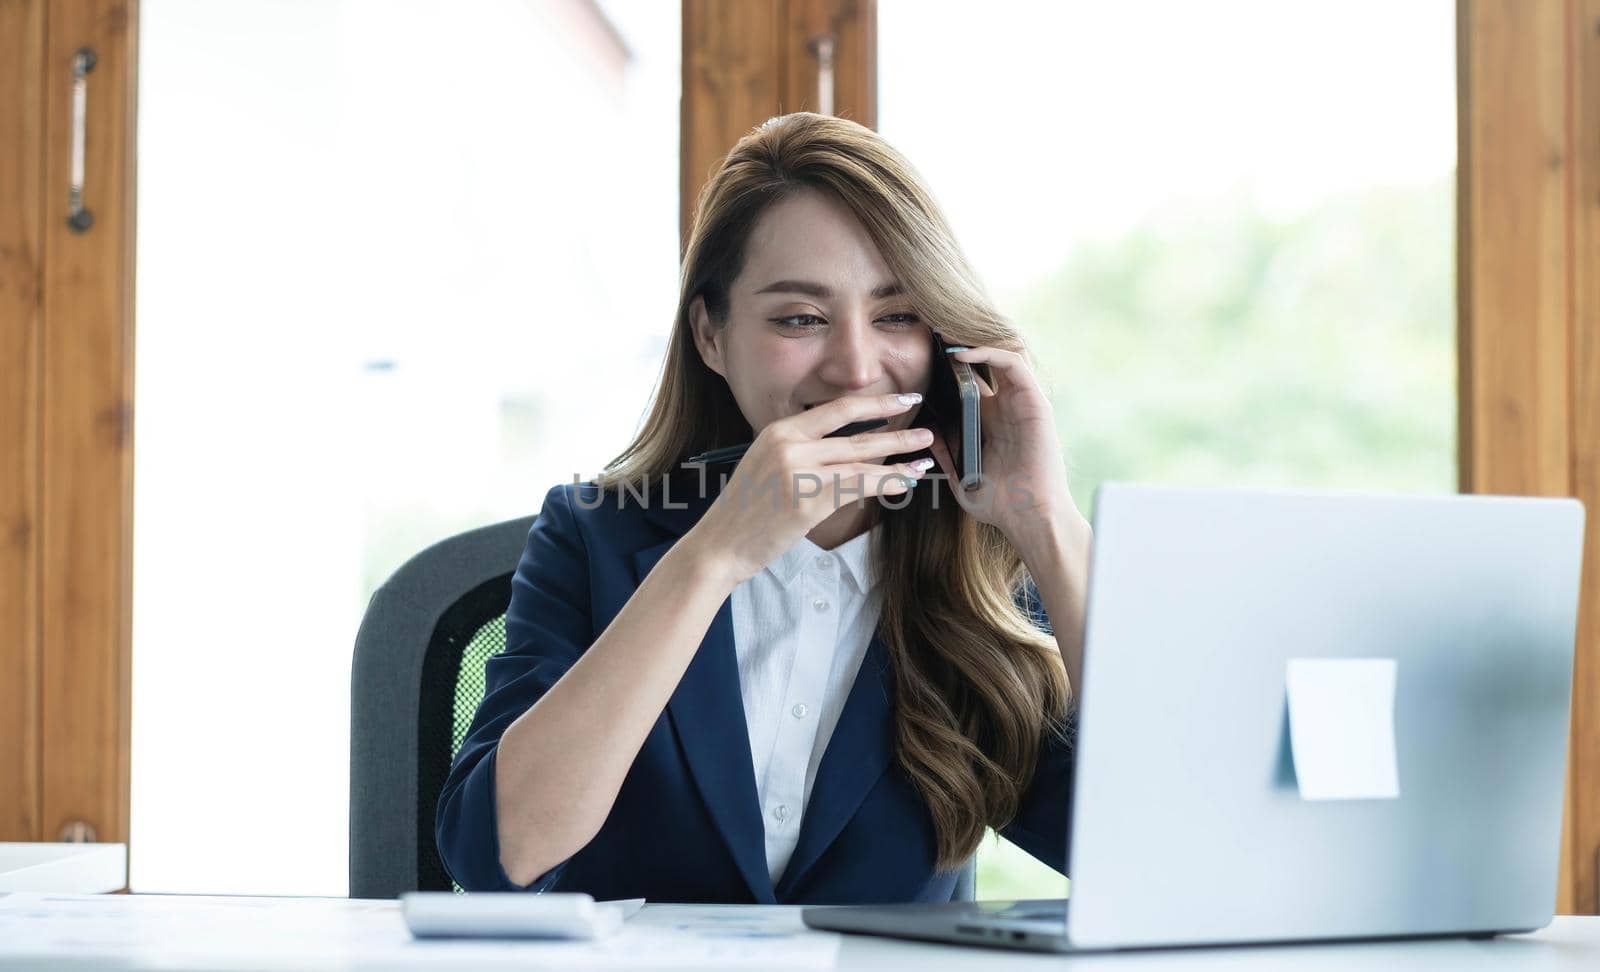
(416, 680)
(415, 684)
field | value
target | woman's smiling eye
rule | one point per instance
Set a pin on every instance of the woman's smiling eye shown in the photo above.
(905, 320)
(791, 319)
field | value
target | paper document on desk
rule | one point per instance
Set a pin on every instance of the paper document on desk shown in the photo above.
(255, 934)
(1341, 728)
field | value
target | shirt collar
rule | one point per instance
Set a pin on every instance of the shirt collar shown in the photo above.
(851, 557)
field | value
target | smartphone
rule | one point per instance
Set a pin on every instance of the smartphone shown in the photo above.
(956, 406)
(971, 458)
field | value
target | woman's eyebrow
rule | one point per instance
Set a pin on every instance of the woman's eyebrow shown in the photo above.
(811, 289)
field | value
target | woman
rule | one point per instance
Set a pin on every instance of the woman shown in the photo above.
(817, 681)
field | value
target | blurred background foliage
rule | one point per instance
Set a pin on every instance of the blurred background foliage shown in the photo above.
(1220, 346)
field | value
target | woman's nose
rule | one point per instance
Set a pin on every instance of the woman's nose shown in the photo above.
(853, 357)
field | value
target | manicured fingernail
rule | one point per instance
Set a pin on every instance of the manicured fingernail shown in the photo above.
(955, 349)
(922, 465)
(911, 398)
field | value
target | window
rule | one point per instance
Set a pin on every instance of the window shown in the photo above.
(1227, 230)
(402, 267)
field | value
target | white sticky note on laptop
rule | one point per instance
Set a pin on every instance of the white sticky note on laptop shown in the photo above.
(1341, 728)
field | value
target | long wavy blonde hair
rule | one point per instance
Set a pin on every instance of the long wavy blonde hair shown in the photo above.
(977, 683)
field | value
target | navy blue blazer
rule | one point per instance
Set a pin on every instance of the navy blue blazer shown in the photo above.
(686, 825)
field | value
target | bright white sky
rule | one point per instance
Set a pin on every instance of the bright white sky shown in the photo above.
(1039, 124)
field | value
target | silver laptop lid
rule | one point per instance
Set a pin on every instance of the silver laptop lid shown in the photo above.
(1189, 821)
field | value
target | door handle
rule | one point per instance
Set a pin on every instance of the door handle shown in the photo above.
(79, 219)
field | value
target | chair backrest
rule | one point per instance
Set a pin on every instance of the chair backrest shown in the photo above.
(415, 682)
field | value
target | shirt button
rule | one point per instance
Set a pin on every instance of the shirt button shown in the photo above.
(821, 604)
(824, 561)
(800, 710)
(781, 812)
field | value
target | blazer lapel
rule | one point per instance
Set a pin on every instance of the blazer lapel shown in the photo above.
(858, 752)
(707, 712)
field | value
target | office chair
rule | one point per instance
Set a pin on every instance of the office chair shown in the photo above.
(415, 683)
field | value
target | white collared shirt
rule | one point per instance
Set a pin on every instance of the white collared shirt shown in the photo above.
(801, 627)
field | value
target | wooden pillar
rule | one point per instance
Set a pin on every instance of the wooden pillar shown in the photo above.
(21, 162)
(1583, 126)
(1529, 314)
(66, 379)
(745, 61)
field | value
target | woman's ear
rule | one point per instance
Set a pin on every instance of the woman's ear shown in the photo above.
(707, 338)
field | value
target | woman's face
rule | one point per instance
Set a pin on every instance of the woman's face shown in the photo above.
(813, 317)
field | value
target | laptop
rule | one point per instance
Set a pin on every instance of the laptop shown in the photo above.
(1306, 716)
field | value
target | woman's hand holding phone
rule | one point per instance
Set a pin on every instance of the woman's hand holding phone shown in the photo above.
(793, 477)
(1024, 488)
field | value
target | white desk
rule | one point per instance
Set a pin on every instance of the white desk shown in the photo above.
(77, 868)
(156, 932)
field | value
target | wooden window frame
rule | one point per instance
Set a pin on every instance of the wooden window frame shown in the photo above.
(1528, 304)
(745, 61)
(66, 446)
